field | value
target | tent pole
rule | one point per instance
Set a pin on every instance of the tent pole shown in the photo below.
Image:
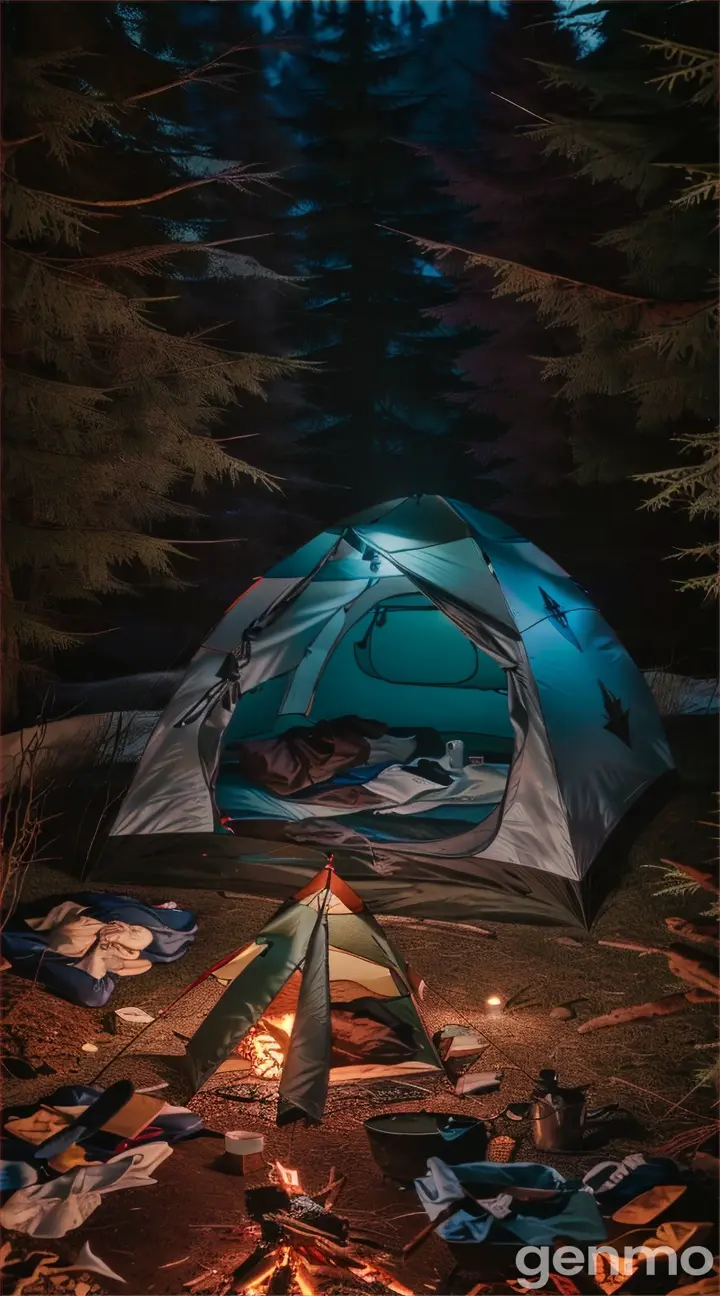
(227, 958)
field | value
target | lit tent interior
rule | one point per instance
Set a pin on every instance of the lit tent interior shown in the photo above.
(419, 690)
(319, 998)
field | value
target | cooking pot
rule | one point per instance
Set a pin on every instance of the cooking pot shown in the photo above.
(401, 1142)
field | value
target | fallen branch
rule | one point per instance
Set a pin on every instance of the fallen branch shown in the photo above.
(680, 962)
(437, 924)
(688, 1139)
(693, 971)
(656, 1008)
(632, 945)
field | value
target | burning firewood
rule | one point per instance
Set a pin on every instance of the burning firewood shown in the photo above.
(302, 1245)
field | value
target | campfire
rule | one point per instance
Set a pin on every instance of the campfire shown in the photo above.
(266, 1045)
(303, 1246)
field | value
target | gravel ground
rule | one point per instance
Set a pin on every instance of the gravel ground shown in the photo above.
(159, 1238)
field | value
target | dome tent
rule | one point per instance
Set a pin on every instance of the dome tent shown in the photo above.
(419, 615)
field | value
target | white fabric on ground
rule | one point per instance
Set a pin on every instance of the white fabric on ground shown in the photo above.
(441, 1187)
(98, 947)
(51, 1210)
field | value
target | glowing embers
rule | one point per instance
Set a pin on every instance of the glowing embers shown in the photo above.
(303, 1247)
(265, 1047)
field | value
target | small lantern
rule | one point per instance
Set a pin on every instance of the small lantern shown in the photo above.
(493, 1006)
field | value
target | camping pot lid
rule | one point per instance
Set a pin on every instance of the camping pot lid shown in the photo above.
(419, 1123)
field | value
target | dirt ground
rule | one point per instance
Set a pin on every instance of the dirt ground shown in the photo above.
(159, 1238)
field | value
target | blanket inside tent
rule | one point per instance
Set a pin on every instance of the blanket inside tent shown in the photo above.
(349, 765)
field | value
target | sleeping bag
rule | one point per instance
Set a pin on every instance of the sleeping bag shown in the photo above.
(80, 945)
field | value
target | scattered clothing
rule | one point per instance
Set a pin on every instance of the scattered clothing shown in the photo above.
(16, 1174)
(95, 947)
(304, 756)
(37, 1127)
(328, 763)
(24, 1128)
(50, 1210)
(616, 1182)
(81, 945)
(571, 1213)
(650, 1204)
(348, 766)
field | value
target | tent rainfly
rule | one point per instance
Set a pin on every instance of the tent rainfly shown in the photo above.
(419, 690)
(322, 997)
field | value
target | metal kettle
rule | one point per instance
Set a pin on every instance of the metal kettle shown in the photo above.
(557, 1115)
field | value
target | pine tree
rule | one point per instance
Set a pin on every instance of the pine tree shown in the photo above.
(240, 128)
(382, 414)
(644, 371)
(514, 198)
(109, 408)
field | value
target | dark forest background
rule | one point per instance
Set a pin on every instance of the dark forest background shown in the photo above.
(310, 256)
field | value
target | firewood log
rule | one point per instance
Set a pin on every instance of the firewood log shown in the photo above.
(313, 1236)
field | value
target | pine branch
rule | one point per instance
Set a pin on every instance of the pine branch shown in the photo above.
(696, 487)
(501, 265)
(695, 483)
(692, 64)
(198, 75)
(141, 257)
(238, 175)
(705, 190)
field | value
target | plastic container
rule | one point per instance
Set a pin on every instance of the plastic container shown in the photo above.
(243, 1142)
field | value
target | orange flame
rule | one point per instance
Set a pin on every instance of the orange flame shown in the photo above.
(303, 1279)
(268, 1053)
(260, 1279)
(290, 1179)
